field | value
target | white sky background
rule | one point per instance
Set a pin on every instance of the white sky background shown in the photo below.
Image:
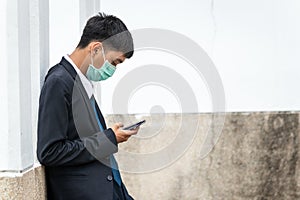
(254, 45)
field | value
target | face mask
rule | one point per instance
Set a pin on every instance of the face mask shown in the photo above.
(105, 71)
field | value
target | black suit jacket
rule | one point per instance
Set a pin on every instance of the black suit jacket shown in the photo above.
(70, 145)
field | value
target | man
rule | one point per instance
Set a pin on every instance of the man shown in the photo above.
(74, 144)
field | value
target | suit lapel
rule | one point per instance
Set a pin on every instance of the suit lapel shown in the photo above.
(87, 103)
(79, 85)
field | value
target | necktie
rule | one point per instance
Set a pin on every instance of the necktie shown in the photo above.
(113, 161)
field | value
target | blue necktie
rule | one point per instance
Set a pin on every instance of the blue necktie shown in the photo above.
(113, 161)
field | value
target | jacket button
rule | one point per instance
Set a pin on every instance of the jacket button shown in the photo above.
(109, 178)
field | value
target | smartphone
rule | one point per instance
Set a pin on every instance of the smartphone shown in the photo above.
(134, 126)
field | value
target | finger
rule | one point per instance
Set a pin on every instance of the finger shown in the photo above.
(125, 137)
(130, 132)
(134, 131)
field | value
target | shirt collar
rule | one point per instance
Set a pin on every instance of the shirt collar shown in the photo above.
(87, 84)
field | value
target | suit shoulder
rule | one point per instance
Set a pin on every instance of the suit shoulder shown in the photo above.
(58, 75)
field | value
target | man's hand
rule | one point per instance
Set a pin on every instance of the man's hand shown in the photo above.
(123, 135)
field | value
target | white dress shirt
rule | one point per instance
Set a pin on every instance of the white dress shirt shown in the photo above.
(87, 84)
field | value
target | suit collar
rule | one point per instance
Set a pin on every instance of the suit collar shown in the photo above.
(68, 67)
(87, 84)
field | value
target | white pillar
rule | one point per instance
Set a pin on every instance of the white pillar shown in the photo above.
(39, 55)
(87, 8)
(23, 28)
(3, 87)
(43, 38)
(16, 153)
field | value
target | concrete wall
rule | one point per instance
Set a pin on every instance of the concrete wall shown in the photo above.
(26, 186)
(256, 157)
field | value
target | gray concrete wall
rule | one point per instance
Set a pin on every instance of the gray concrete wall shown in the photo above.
(29, 186)
(256, 157)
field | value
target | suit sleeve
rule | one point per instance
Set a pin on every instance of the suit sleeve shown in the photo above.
(53, 147)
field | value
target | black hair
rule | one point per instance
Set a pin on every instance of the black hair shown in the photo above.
(109, 30)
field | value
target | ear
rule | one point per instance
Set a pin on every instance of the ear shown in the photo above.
(95, 47)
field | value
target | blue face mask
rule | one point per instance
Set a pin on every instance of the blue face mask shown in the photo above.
(103, 73)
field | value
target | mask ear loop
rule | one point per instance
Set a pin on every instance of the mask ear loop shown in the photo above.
(103, 53)
(92, 60)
